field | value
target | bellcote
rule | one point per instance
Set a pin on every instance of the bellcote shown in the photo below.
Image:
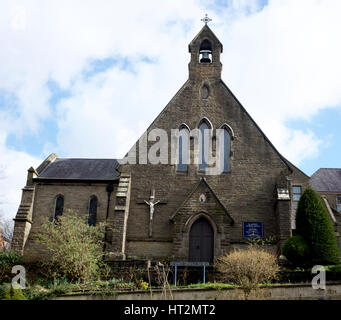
(205, 51)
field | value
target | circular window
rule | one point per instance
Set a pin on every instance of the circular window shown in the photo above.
(202, 198)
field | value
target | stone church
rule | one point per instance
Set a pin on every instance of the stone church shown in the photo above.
(175, 209)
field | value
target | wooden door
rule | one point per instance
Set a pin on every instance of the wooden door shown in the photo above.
(201, 241)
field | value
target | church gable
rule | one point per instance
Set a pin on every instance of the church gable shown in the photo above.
(201, 221)
(206, 96)
(202, 199)
(245, 191)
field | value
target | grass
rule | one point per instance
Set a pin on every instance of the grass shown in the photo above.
(46, 290)
(212, 285)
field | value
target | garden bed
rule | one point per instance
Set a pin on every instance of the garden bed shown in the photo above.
(216, 292)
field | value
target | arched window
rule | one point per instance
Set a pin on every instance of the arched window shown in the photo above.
(92, 211)
(225, 146)
(183, 154)
(204, 139)
(59, 206)
(205, 52)
(225, 151)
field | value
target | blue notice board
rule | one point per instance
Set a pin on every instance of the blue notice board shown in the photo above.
(252, 230)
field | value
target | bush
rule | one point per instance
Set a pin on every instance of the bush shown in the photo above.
(315, 226)
(4, 288)
(13, 294)
(297, 251)
(7, 261)
(38, 292)
(75, 249)
(248, 268)
(143, 285)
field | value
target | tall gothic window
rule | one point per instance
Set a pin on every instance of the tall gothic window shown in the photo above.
(59, 206)
(92, 211)
(183, 154)
(225, 151)
(204, 127)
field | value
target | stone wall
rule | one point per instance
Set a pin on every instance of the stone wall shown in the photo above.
(247, 190)
(76, 198)
(275, 292)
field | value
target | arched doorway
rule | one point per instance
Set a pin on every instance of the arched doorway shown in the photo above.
(201, 241)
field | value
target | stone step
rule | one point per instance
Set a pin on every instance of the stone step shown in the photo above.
(123, 184)
(121, 194)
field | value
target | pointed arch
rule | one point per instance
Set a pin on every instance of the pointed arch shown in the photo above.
(206, 45)
(208, 122)
(184, 126)
(202, 214)
(58, 206)
(183, 147)
(228, 128)
(201, 231)
(92, 210)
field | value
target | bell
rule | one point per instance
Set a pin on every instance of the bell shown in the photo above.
(205, 56)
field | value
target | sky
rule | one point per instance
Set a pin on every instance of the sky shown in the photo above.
(85, 78)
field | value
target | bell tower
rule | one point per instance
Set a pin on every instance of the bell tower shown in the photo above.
(205, 51)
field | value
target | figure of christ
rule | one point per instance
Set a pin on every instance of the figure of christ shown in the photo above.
(151, 205)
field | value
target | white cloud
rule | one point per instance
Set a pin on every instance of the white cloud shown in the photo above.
(282, 62)
(13, 173)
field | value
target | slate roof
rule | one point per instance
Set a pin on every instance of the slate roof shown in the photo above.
(81, 169)
(326, 179)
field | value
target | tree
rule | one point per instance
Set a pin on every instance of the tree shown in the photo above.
(7, 226)
(315, 226)
(6, 230)
(74, 248)
(297, 251)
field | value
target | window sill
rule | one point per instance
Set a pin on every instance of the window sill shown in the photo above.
(181, 173)
(202, 172)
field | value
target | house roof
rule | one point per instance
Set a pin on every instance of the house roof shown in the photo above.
(327, 180)
(81, 169)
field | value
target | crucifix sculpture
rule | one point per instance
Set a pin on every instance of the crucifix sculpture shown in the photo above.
(151, 203)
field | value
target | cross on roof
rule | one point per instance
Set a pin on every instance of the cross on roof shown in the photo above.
(206, 19)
